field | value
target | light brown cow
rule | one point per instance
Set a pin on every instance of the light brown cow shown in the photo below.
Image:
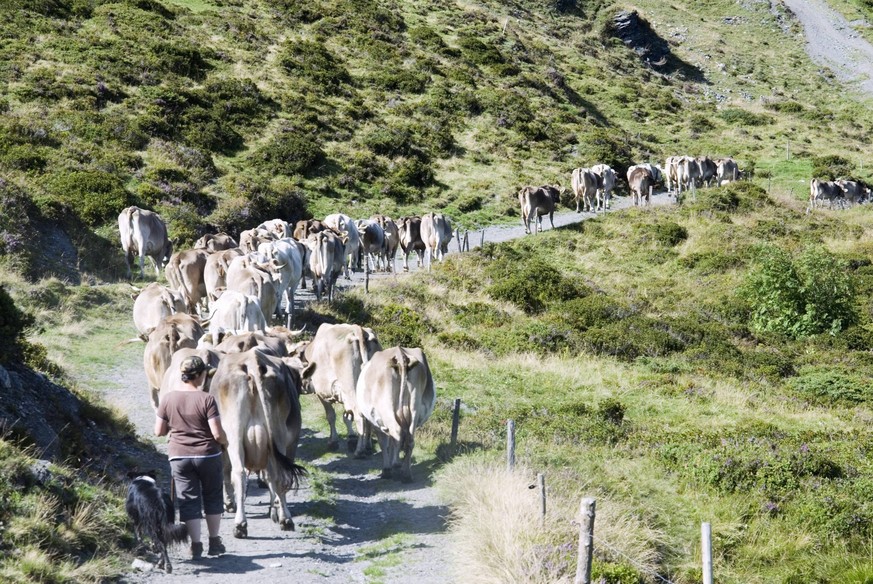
(250, 275)
(304, 228)
(326, 254)
(279, 342)
(436, 233)
(334, 358)
(687, 174)
(185, 274)
(277, 226)
(584, 184)
(395, 393)
(143, 233)
(173, 333)
(605, 183)
(671, 172)
(215, 242)
(536, 202)
(152, 305)
(234, 312)
(392, 240)
(215, 272)
(641, 184)
(372, 243)
(250, 239)
(258, 397)
(409, 229)
(172, 381)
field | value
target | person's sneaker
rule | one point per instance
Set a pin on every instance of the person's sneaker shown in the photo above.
(216, 548)
(196, 550)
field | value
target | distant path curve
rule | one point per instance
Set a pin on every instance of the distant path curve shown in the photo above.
(832, 42)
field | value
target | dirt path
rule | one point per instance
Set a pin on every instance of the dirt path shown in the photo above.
(831, 41)
(372, 531)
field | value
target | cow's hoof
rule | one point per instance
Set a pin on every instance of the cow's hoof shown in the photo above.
(333, 446)
(287, 525)
(352, 444)
(241, 530)
(262, 484)
(230, 507)
(274, 515)
(386, 473)
(406, 479)
(169, 569)
(360, 455)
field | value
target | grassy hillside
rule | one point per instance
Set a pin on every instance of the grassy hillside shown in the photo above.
(706, 363)
(221, 114)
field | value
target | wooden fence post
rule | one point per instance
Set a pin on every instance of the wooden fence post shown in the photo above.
(541, 481)
(510, 444)
(586, 542)
(458, 237)
(466, 240)
(456, 420)
(706, 552)
(482, 240)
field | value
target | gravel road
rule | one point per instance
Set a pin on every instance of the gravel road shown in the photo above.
(832, 42)
(347, 542)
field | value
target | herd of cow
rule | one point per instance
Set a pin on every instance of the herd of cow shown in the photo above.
(592, 187)
(259, 371)
(841, 191)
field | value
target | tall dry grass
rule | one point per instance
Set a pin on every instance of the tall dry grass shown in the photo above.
(499, 535)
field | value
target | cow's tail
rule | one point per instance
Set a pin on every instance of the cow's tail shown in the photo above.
(404, 411)
(287, 472)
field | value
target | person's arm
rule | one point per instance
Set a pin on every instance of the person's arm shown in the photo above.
(161, 427)
(217, 431)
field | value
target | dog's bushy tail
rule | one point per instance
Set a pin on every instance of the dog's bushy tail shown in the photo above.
(175, 533)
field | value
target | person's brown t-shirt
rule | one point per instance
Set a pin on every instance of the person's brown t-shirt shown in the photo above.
(187, 413)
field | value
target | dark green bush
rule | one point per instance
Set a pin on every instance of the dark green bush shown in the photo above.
(712, 262)
(858, 338)
(832, 167)
(589, 311)
(605, 572)
(290, 152)
(831, 386)
(786, 107)
(632, 337)
(742, 117)
(249, 201)
(314, 63)
(531, 286)
(95, 196)
(478, 52)
(665, 233)
(25, 157)
(400, 326)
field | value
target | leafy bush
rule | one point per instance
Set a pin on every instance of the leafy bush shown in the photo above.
(633, 337)
(531, 286)
(786, 107)
(12, 324)
(400, 326)
(95, 196)
(589, 311)
(608, 573)
(832, 167)
(829, 386)
(313, 62)
(248, 202)
(480, 53)
(665, 233)
(811, 295)
(290, 152)
(742, 117)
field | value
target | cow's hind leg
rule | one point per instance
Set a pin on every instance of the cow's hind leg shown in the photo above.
(279, 512)
(406, 472)
(333, 440)
(385, 443)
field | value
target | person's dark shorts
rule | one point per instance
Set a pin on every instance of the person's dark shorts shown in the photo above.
(194, 476)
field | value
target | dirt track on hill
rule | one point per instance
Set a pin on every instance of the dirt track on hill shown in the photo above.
(346, 542)
(831, 41)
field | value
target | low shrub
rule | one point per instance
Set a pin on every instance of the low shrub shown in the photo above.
(398, 325)
(632, 337)
(476, 51)
(291, 151)
(589, 311)
(532, 286)
(665, 233)
(741, 117)
(249, 201)
(830, 386)
(314, 63)
(832, 167)
(95, 196)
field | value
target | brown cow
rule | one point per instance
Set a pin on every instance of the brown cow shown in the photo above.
(536, 202)
(152, 305)
(409, 229)
(585, 184)
(215, 242)
(392, 239)
(326, 254)
(334, 358)
(143, 233)
(641, 183)
(258, 397)
(215, 271)
(395, 393)
(185, 274)
(306, 227)
(174, 333)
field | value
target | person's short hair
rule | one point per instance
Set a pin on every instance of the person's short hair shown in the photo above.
(192, 367)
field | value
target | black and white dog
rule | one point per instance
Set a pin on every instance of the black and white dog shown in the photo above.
(153, 515)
